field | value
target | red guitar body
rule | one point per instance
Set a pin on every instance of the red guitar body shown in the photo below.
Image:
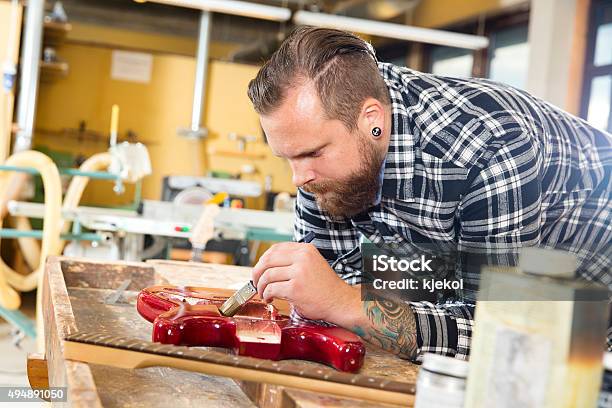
(190, 316)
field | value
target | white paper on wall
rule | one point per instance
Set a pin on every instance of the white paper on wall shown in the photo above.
(132, 66)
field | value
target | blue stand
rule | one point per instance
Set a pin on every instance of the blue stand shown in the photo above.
(19, 320)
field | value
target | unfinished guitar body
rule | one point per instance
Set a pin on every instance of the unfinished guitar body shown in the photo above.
(189, 316)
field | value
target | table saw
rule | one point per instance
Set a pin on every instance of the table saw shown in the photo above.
(119, 234)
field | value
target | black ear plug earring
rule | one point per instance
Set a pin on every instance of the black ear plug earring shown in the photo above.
(376, 132)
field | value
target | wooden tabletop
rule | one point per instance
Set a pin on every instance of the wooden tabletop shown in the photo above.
(75, 297)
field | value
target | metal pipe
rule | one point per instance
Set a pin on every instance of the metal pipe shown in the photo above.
(38, 234)
(19, 320)
(234, 7)
(199, 91)
(391, 30)
(30, 64)
(99, 175)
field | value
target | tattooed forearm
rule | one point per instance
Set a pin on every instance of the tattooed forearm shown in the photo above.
(392, 327)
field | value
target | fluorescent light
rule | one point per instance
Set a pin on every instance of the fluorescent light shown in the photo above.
(234, 7)
(391, 30)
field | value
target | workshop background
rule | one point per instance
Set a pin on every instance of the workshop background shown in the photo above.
(141, 56)
(540, 46)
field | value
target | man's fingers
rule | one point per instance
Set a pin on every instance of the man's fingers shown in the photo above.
(268, 261)
(282, 254)
(271, 275)
(278, 290)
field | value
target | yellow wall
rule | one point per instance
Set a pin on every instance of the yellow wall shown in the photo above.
(440, 13)
(229, 110)
(98, 35)
(154, 111)
(88, 34)
(6, 98)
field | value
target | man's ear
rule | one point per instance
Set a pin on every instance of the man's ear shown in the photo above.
(372, 116)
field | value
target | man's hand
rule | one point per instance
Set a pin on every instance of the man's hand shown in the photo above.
(299, 274)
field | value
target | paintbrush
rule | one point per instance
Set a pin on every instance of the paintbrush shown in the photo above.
(235, 302)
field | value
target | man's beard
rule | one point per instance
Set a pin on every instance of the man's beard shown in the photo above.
(355, 193)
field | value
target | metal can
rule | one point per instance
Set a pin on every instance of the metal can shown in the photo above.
(441, 382)
(605, 396)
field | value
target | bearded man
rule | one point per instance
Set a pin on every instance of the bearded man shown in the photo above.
(398, 156)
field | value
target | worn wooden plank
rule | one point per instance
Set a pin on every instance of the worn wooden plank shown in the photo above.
(301, 399)
(38, 374)
(99, 274)
(200, 274)
(145, 387)
(58, 322)
(378, 363)
(265, 395)
(80, 304)
(83, 306)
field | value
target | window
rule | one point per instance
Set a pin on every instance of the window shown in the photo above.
(603, 44)
(506, 59)
(598, 113)
(394, 53)
(509, 56)
(597, 90)
(453, 62)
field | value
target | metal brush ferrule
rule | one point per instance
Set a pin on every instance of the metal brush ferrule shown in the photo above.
(233, 304)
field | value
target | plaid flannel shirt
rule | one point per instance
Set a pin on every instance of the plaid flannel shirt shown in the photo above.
(475, 165)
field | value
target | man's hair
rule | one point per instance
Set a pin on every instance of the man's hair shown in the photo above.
(341, 66)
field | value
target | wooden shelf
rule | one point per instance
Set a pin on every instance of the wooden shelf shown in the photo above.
(237, 154)
(89, 136)
(50, 71)
(55, 32)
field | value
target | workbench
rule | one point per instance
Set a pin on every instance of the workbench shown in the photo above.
(76, 296)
